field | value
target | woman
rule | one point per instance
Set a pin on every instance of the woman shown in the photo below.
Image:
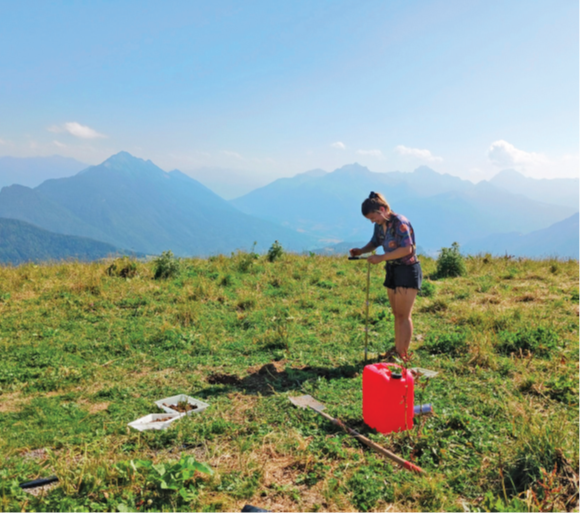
(403, 281)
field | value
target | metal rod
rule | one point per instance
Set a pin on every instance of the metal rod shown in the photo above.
(367, 309)
(379, 449)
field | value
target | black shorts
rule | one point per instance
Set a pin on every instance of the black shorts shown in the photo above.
(402, 275)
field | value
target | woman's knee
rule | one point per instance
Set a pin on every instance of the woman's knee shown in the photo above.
(402, 317)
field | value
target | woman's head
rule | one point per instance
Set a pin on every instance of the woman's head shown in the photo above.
(375, 203)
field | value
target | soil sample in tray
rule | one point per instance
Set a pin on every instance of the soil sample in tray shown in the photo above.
(181, 406)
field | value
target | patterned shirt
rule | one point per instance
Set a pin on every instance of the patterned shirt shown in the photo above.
(399, 234)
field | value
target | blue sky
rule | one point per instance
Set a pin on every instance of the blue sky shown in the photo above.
(275, 88)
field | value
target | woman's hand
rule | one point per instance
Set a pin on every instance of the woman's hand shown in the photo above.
(375, 259)
(355, 252)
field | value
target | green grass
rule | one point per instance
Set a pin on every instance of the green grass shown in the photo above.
(84, 352)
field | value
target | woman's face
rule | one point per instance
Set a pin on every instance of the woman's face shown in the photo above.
(377, 216)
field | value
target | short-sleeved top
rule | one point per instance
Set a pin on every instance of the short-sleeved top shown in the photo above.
(399, 234)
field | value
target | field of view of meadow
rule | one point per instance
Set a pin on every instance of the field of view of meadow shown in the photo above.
(89, 347)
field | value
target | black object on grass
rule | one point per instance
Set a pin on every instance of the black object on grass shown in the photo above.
(38, 482)
(251, 508)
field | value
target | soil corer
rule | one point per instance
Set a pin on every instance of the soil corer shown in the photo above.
(307, 401)
(367, 303)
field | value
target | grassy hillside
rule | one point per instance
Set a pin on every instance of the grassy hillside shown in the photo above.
(84, 353)
(22, 242)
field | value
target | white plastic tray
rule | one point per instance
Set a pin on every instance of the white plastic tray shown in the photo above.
(151, 421)
(173, 400)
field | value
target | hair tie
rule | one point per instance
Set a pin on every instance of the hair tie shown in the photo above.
(372, 195)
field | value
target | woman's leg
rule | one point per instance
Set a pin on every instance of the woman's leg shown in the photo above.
(402, 300)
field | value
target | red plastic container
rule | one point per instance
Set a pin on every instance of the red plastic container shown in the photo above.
(388, 396)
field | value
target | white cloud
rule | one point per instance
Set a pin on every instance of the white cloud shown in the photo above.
(373, 153)
(59, 144)
(235, 155)
(570, 158)
(505, 155)
(77, 130)
(339, 145)
(424, 155)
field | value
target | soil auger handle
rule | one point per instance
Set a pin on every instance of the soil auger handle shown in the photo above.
(360, 258)
(379, 449)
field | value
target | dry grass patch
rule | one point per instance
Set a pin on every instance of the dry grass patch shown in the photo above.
(12, 402)
(528, 297)
(93, 408)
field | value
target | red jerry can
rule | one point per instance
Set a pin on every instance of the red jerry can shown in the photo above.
(388, 397)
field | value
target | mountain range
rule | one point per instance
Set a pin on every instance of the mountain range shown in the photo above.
(132, 204)
(442, 208)
(559, 240)
(557, 191)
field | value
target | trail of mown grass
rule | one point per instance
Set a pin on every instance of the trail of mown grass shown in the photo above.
(84, 353)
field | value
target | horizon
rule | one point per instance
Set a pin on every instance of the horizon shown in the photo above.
(241, 171)
(466, 88)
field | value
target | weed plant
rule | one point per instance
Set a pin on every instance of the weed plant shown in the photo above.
(275, 251)
(86, 349)
(450, 262)
(166, 266)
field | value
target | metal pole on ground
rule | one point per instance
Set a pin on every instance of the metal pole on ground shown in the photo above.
(367, 309)
(367, 302)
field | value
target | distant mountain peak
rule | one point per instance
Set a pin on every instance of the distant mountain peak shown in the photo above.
(508, 174)
(123, 163)
(426, 170)
(354, 168)
(122, 158)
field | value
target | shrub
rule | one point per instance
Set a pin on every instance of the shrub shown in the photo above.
(275, 251)
(246, 260)
(451, 343)
(538, 340)
(122, 267)
(450, 262)
(166, 266)
(427, 289)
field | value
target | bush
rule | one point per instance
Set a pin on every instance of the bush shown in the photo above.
(275, 252)
(166, 266)
(452, 343)
(538, 340)
(122, 267)
(246, 260)
(427, 289)
(450, 262)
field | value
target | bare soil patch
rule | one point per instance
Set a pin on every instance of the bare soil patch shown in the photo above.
(11, 402)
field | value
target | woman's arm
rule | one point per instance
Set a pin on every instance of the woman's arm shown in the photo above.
(390, 256)
(369, 247)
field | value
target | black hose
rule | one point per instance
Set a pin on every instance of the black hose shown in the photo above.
(38, 482)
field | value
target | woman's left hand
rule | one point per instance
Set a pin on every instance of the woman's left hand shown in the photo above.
(375, 259)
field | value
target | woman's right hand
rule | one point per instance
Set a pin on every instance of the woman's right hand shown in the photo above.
(355, 252)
